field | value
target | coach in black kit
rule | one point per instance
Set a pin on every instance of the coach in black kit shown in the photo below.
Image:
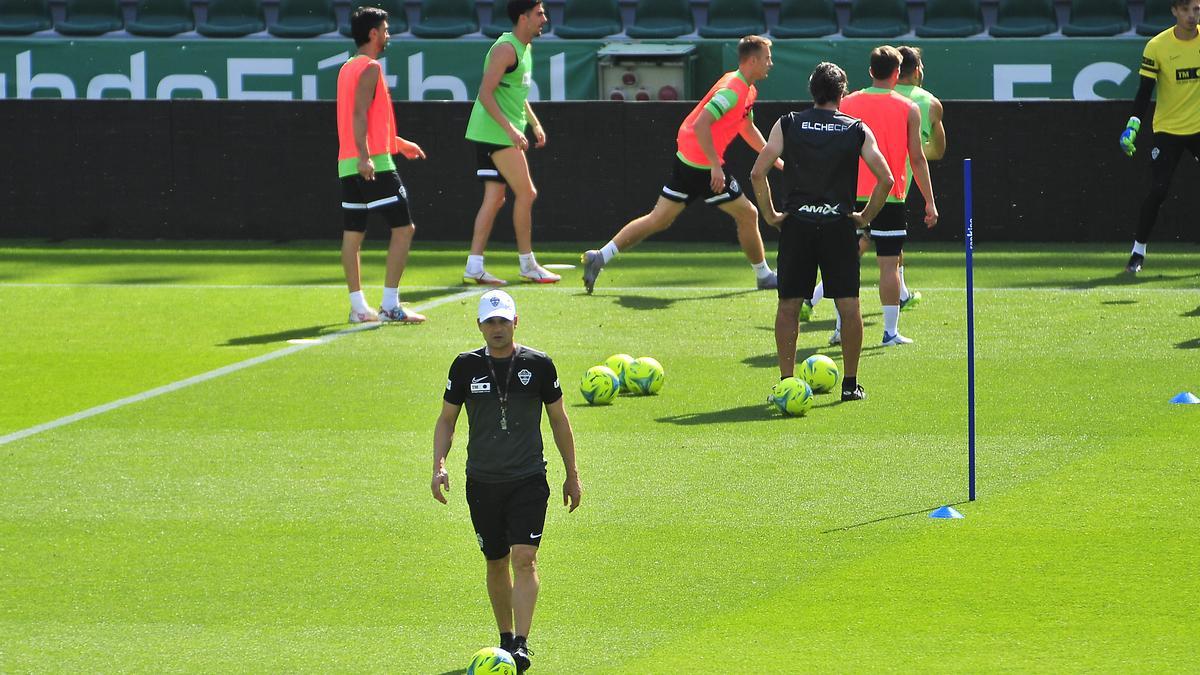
(505, 386)
(820, 149)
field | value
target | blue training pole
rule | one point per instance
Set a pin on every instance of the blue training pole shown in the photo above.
(970, 245)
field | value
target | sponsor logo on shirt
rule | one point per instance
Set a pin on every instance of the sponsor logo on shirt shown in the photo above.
(1187, 74)
(524, 376)
(481, 387)
(821, 210)
(822, 126)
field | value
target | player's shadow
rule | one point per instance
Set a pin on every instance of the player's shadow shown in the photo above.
(1189, 344)
(1119, 302)
(884, 519)
(279, 336)
(771, 360)
(1194, 312)
(760, 412)
(652, 303)
(1118, 279)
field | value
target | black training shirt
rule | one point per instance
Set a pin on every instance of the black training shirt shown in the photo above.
(493, 454)
(821, 149)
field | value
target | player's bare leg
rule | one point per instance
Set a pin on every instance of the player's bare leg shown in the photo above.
(787, 327)
(746, 217)
(889, 297)
(500, 592)
(397, 258)
(485, 219)
(635, 231)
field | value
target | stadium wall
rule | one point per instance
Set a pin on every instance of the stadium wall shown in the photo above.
(1044, 171)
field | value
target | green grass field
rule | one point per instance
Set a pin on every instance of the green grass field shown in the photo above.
(278, 517)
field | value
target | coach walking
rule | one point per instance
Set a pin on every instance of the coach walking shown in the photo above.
(505, 385)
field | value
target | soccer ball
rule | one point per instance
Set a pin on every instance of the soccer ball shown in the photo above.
(792, 396)
(492, 660)
(619, 364)
(644, 376)
(820, 372)
(600, 385)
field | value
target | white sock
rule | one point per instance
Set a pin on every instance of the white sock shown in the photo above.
(358, 302)
(475, 265)
(391, 298)
(762, 269)
(609, 251)
(891, 319)
(528, 262)
(904, 294)
(1139, 248)
(818, 294)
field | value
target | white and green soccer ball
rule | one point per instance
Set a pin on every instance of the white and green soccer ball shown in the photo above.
(820, 372)
(492, 661)
(620, 365)
(599, 385)
(644, 376)
(792, 396)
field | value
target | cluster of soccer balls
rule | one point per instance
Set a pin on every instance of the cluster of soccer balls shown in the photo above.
(794, 395)
(621, 373)
(492, 660)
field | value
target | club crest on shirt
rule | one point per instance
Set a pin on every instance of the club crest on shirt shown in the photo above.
(524, 376)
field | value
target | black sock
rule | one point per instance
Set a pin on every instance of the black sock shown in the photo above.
(519, 641)
(506, 640)
(849, 383)
(784, 377)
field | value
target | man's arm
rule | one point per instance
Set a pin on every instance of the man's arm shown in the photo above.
(443, 438)
(883, 179)
(1140, 103)
(920, 167)
(767, 158)
(564, 438)
(364, 95)
(935, 149)
(754, 138)
(502, 57)
(704, 139)
(539, 134)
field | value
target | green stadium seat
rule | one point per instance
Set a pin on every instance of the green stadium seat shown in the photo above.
(305, 19)
(446, 19)
(22, 17)
(806, 19)
(589, 19)
(1024, 18)
(1157, 17)
(951, 18)
(499, 23)
(1097, 18)
(734, 19)
(661, 19)
(232, 18)
(91, 17)
(877, 19)
(397, 18)
(161, 18)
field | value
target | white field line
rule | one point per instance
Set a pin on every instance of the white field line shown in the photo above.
(601, 289)
(213, 374)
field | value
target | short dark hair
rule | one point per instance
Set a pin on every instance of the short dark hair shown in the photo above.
(827, 84)
(518, 7)
(1180, 3)
(751, 45)
(363, 21)
(885, 60)
(910, 60)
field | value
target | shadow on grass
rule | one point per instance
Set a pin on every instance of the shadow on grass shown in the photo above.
(762, 412)
(279, 336)
(460, 671)
(1119, 302)
(891, 517)
(1194, 312)
(1189, 344)
(1116, 280)
(648, 302)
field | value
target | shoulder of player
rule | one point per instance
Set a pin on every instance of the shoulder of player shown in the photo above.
(470, 356)
(532, 354)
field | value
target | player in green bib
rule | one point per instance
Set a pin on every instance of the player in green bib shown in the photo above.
(497, 130)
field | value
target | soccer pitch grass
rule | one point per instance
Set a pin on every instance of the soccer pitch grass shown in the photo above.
(278, 518)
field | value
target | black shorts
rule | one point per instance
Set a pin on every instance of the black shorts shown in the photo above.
(688, 184)
(385, 195)
(487, 170)
(804, 246)
(508, 513)
(889, 229)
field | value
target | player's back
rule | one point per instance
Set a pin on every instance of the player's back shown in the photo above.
(886, 113)
(821, 149)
